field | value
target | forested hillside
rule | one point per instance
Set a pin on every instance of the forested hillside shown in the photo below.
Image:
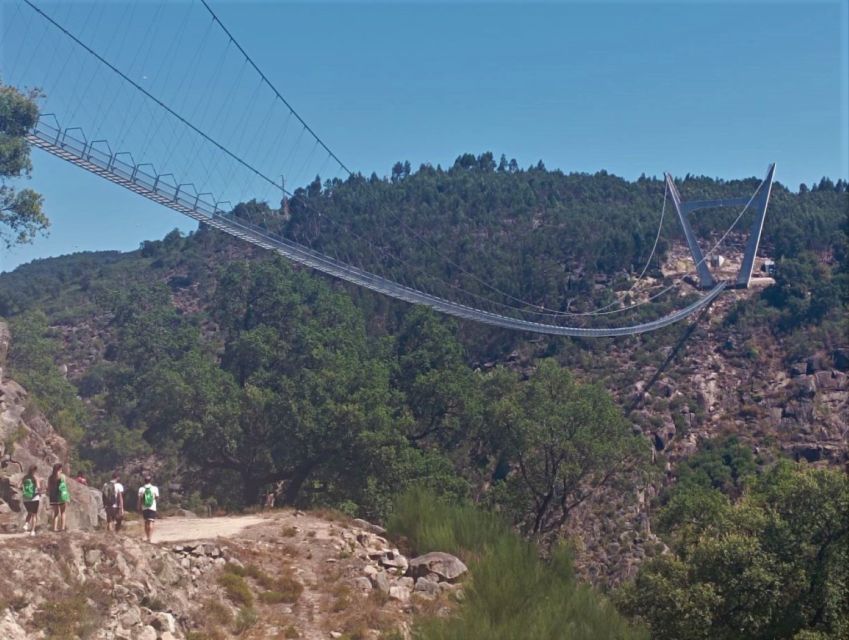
(229, 371)
(539, 236)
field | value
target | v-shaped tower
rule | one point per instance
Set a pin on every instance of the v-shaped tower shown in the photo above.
(758, 201)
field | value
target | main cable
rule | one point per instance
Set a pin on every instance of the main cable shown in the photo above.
(274, 89)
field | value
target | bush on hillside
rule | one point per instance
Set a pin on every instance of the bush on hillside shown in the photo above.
(511, 593)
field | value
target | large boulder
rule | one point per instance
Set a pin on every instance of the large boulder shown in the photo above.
(86, 509)
(368, 526)
(444, 565)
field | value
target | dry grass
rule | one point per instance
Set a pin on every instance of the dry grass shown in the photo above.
(355, 616)
(332, 515)
(217, 612)
(279, 589)
(72, 615)
(341, 598)
(246, 618)
(211, 617)
(276, 596)
(206, 634)
(430, 608)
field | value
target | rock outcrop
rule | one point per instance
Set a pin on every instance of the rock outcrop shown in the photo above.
(443, 566)
(292, 575)
(389, 571)
(118, 588)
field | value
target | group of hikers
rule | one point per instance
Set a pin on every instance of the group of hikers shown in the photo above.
(56, 492)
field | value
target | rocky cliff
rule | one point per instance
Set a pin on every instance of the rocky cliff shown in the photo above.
(27, 438)
(717, 381)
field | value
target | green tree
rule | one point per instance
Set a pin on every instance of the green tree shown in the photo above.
(566, 441)
(442, 393)
(21, 214)
(723, 464)
(305, 397)
(33, 361)
(775, 564)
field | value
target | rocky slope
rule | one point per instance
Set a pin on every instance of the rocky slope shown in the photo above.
(291, 575)
(703, 379)
(716, 383)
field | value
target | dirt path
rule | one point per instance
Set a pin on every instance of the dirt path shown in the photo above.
(179, 529)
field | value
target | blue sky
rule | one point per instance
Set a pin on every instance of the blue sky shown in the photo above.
(719, 88)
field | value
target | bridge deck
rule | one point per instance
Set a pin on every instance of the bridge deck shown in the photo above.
(78, 152)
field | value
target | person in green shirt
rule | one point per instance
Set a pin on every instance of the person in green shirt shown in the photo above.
(31, 490)
(148, 495)
(57, 492)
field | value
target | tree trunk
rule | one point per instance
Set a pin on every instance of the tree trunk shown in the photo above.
(250, 489)
(293, 486)
(542, 509)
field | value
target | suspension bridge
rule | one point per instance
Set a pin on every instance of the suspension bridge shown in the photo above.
(96, 155)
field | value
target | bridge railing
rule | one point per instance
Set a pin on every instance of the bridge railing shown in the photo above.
(113, 163)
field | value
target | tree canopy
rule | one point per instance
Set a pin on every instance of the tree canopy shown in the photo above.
(773, 563)
(21, 215)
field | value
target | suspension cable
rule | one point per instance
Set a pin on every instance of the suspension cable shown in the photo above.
(217, 144)
(273, 88)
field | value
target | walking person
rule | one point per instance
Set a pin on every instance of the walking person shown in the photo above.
(31, 489)
(113, 502)
(57, 492)
(148, 494)
(268, 503)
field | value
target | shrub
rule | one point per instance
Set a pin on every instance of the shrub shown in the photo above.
(281, 589)
(289, 589)
(216, 612)
(236, 589)
(432, 524)
(512, 593)
(342, 598)
(245, 619)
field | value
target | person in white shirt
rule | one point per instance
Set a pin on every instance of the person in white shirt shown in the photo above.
(113, 502)
(148, 494)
